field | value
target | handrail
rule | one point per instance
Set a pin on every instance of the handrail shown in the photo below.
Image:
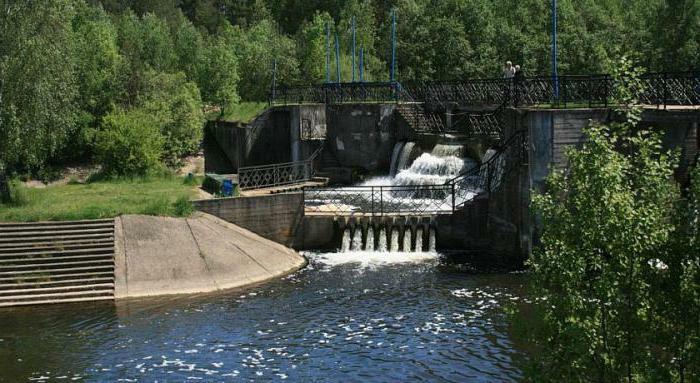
(278, 174)
(662, 88)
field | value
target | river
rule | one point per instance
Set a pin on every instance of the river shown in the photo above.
(408, 317)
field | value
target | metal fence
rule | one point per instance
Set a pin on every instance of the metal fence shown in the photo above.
(420, 199)
(258, 177)
(680, 88)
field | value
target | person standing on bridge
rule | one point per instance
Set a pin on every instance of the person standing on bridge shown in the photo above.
(508, 70)
(519, 74)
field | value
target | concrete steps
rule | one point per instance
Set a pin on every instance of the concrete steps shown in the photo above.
(56, 262)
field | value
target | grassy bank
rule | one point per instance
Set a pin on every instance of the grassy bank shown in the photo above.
(162, 195)
(243, 112)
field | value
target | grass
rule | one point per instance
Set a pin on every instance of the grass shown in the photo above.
(157, 195)
(243, 112)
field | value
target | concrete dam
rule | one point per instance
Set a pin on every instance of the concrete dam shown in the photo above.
(405, 177)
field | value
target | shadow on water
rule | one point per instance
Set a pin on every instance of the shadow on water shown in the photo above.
(419, 321)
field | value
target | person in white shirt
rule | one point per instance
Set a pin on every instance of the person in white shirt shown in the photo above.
(508, 70)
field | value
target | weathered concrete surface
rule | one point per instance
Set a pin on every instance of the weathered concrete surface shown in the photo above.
(273, 216)
(161, 256)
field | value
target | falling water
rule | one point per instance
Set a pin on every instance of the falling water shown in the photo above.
(419, 240)
(345, 245)
(369, 241)
(394, 239)
(356, 244)
(429, 169)
(407, 240)
(431, 240)
(445, 150)
(395, 157)
(405, 156)
(381, 247)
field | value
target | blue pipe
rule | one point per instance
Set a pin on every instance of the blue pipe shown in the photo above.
(353, 49)
(555, 77)
(362, 64)
(392, 73)
(337, 58)
(328, 54)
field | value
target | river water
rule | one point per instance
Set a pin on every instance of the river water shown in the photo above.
(352, 317)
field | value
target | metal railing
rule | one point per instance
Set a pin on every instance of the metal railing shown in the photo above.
(414, 200)
(679, 88)
(263, 176)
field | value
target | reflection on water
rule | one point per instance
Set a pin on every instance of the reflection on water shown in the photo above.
(338, 320)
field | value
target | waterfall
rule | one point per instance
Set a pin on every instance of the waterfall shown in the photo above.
(382, 241)
(429, 169)
(356, 244)
(445, 150)
(407, 240)
(394, 239)
(369, 241)
(431, 240)
(395, 157)
(345, 245)
(403, 157)
(419, 240)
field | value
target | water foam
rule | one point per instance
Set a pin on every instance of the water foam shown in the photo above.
(370, 259)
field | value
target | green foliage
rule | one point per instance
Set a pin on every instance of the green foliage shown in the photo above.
(37, 81)
(175, 107)
(607, 229)
(16, 195)
(129, 143)
(218, 75)
(160, 194)
(256, 49)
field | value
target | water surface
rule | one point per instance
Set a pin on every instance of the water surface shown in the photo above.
(405, 319)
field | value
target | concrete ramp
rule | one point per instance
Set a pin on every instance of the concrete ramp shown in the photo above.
(161, 255)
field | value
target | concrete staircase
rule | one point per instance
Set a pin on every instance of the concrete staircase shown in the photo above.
(55, 262)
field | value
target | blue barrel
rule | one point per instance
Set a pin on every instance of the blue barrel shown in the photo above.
(227, 188)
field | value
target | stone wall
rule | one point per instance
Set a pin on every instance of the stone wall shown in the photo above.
(276, 217)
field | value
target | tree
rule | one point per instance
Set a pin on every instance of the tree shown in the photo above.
(256, 49)
(218, 74)
(98, 61)
(175, 105)
(607, 225)
(37, 81)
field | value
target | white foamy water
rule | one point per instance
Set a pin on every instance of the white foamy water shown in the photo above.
(370, 259)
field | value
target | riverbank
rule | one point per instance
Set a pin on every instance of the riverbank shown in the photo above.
(166, 195)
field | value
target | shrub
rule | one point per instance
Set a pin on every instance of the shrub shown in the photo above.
(129, 143)
(16, 194)
(183, 207)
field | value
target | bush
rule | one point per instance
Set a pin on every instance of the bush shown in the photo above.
(15, 195)
(176, 105)
(129, 143)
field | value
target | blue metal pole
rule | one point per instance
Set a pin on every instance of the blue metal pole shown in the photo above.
(328, 53)
(392, 72)
(362, 64)
(274, 78)
(337, 58)
(555, 76)
(353, 49)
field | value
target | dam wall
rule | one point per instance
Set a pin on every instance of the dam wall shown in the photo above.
(280, 134)
(276, 217)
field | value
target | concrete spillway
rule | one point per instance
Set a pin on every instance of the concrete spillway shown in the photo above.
(406, 239)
